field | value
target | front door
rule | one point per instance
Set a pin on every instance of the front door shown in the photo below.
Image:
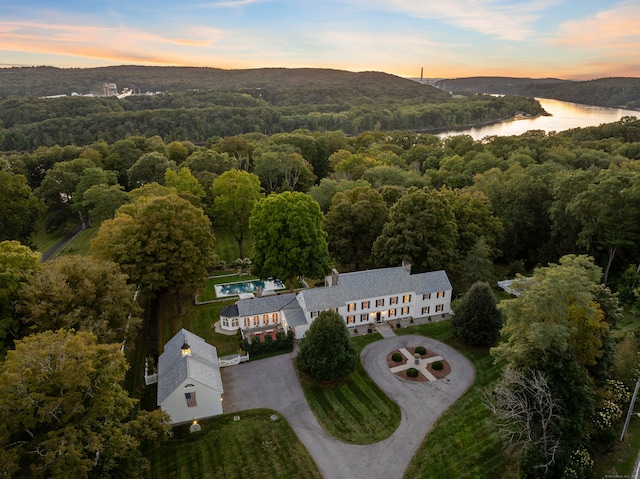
(378, 317)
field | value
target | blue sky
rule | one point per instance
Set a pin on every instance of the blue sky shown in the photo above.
(576, 39)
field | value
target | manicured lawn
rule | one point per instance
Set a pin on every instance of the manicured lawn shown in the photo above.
(43, 241)
(81, 244)
(254, 447)
(226, 246)
(617, 459)
(197, 319)
(462, 442)
(354, 410)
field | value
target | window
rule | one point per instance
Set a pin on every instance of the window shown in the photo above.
(276, 318)
(392, 313)
(351, 307)
(225, 322)
(379, 302)
(405, 310)
(234, 323)
(256, 320)
(439, 307)
(426, 296)
(191, 399)
(425, 310)
(351, 319)
(406, 298)
(314, 314)
(335, 310)
(440, 294)
(364, 318)
(366, 304)
(247, 322)
(393, 300)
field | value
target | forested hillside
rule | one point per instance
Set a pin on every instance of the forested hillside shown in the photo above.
(199, 103)
(614, 92)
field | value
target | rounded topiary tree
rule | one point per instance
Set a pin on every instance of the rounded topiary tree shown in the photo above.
(412, 372)
(421, 350)
(326, 351)
(476, 319)
(396, 357)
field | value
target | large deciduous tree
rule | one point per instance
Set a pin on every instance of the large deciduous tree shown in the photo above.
(556, 327)
(326, 351)
(421, 229)
(354, 221)
(63, 410)
(81, 293)
(477, 319)
(288, 237)
(17, 262)
(19, 208)
(162, 243)
(235, 193)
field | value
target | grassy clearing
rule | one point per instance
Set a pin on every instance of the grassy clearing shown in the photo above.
(462, 443)
(81, 244)
(197, 319)
(43, 241)
(226, 246)
(253, 447)
(618, 458)
(354, 410)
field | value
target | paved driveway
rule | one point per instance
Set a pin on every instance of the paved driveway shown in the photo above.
(272, 383)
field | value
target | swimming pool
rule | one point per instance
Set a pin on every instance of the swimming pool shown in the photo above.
(234, 289)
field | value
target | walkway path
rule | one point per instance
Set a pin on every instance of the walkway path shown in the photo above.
(272, 383)
(385, 330)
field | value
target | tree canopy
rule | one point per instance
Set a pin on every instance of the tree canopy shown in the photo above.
(288, 237)
(421, 229)
(63, 411)
(477, 319)
(235, 193)
(84, 294)
(163, 243)
(326, 351)
(354, 221)
(20, 208)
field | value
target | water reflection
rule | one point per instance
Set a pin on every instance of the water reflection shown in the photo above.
(564, 116)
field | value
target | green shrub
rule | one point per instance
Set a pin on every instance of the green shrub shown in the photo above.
(397, 357)
(421, 350)
(437, 365)
(412, 372)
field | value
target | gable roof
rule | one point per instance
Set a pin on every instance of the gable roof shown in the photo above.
(266, 304)
(374, 283)
(201, 366)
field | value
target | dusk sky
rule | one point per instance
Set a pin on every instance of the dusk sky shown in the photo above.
(573, 39)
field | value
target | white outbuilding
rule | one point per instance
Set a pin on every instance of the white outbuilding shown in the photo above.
(189, 380)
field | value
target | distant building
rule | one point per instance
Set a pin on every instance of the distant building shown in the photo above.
(110, 89)
(361, 298)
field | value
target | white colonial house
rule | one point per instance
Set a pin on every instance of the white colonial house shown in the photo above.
(361, 298)
(189, 380)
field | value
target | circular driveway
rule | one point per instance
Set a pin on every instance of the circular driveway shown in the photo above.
(272, 383)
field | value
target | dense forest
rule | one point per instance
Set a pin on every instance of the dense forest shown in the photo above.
(196, 104)
(157, 175)
(613, 92)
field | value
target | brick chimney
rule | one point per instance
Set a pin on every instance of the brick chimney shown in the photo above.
(335, 277)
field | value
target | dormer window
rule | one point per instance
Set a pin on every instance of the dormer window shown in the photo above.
(186, 349)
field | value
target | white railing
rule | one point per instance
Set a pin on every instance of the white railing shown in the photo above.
(232, 360)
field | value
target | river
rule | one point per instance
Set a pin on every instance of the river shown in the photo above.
(564, 116)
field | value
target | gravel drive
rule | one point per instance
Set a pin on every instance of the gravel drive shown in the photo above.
(272, 383)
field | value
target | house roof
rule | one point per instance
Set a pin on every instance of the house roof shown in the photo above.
(201, 366)
(294, 314)
(374, 283)
(266, 304)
